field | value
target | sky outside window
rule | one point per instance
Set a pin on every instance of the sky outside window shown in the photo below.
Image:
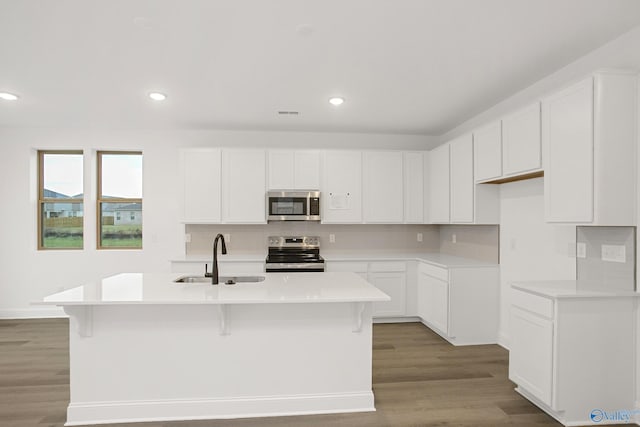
(63, 173)
(122, 176)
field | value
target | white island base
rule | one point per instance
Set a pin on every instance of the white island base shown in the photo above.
(225, 356)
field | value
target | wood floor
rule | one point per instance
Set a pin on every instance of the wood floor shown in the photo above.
(418, 379)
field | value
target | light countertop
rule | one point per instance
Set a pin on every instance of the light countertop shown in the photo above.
(438, 259)
(277, 288)
(567, 289)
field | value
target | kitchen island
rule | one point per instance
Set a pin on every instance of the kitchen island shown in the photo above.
(144, 348)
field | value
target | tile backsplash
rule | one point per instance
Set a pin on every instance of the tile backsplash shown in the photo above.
(477, 242)
(605, 257)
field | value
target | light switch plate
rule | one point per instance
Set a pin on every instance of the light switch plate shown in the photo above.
(332, 238)
(613, 253)
(187, 238)
(419, 237)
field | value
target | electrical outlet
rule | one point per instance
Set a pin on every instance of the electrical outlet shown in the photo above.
(227, 238)
(419, 237)
(332, 238)
(453, 238)
(581, 250)
(187, 238)
(613, 253)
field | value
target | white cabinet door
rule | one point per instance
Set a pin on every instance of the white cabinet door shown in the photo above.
(413, 188)
(422, 296)
(462, 184)
(383, 182)
(394, 285)
(281, 170)
(437, 303)
(567, 132)
(488, 152)
(531, 353)
(294, 170)
(439, 184)
(521, 142)
(306, 170)
(342, 187)
(244, 186)
(201, 185)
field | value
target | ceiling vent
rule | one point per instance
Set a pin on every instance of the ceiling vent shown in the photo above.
(288, 113)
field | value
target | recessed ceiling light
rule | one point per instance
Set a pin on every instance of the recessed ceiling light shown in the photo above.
(336, 100)
(8, 96)
(157, 96)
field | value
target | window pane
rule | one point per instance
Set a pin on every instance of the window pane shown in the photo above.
(122, 176)
(121, 225)
(62, 175)
(62, 225)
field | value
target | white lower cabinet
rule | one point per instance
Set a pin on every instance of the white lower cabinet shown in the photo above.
(390, 277)
(531, 361)
(394, 285)
(433, 302)
(459, 303)
(574, 356)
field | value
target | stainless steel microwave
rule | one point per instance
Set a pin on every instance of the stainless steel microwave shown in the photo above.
(295, 205)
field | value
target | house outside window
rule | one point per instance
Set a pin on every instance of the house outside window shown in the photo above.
(119, 200)
(60, 199)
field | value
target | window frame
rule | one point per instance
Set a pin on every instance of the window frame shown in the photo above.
(100, 200)
(44, 200)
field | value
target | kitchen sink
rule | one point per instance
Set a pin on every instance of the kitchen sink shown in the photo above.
(229, 280)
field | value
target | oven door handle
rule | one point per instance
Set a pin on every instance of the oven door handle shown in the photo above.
(297, 266)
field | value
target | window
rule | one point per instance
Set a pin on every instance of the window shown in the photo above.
(119, 192)
(60, 200)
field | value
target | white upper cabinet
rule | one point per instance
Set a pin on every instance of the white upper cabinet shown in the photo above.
(414, 187)
(201, 185)
(243, 186)
(589, 147)
(521, 141)
(462, 184)
(439, 184)
(294, 170)
(488, 152)
(383, 187)
(342, 187)
(281, 170)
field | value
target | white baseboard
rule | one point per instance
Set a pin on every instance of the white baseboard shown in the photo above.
(202, 409)
(32, 313)
(503, 340)
(401, 319)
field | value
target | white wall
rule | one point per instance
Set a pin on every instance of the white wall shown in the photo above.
(27, 275)
(530, 249)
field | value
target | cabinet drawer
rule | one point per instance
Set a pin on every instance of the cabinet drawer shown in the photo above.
(387, 266)
(433, 271)
(355, 267)
(533, 303)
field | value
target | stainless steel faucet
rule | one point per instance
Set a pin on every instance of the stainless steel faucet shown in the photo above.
(214, 267)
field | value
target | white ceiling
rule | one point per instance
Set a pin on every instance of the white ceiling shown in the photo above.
(404, 66)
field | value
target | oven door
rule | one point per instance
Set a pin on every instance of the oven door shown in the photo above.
(316, 267)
